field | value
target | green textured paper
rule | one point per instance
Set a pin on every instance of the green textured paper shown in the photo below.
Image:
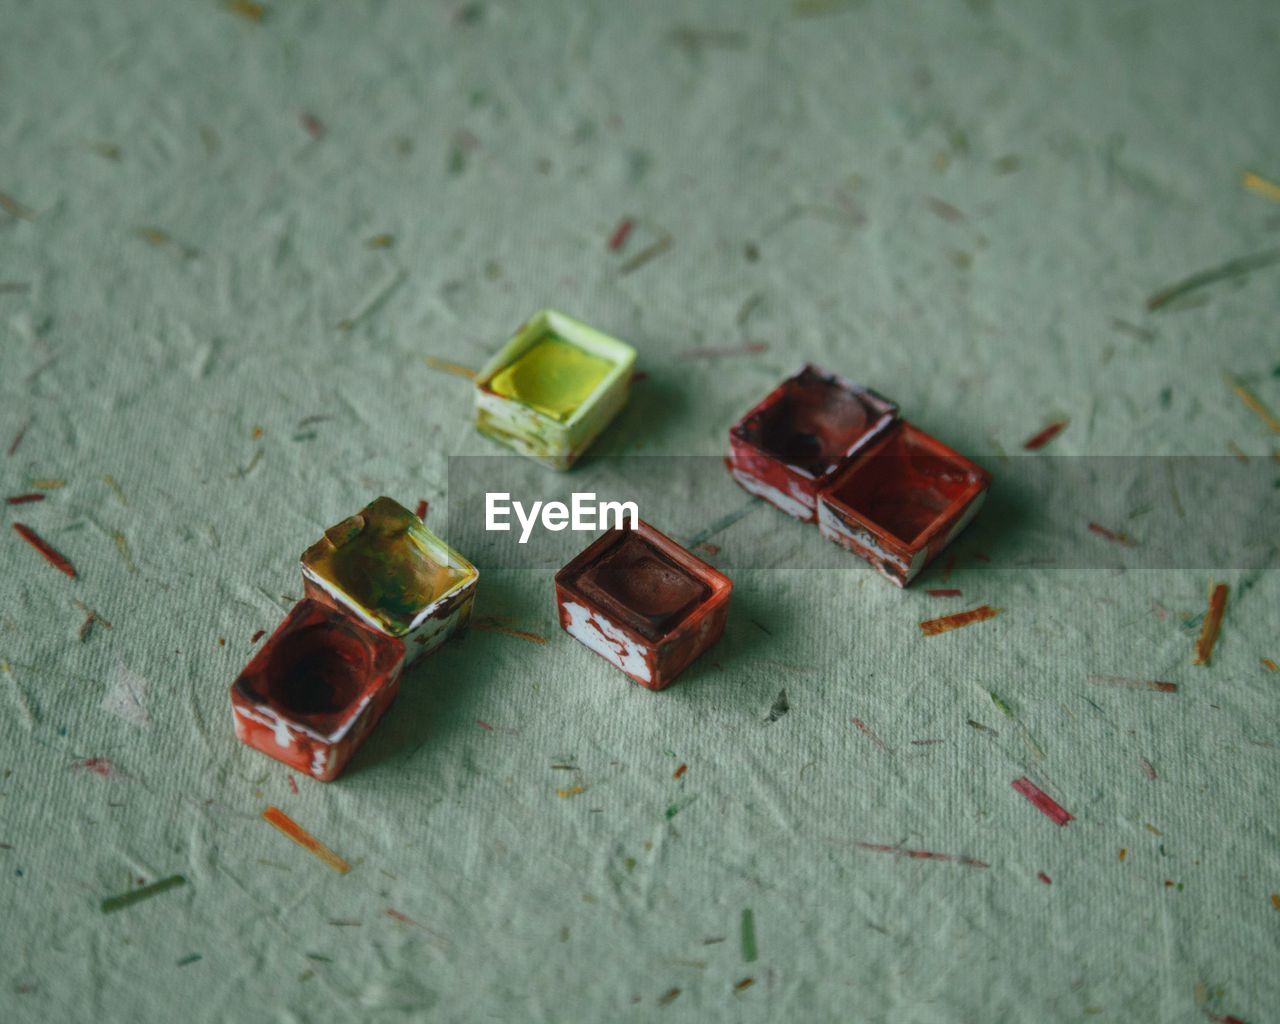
(953, 203)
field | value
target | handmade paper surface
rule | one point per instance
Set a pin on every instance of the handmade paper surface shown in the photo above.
(227, 246)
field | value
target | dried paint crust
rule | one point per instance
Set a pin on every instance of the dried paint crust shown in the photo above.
(901, 502)
(386, 568)
(643, 603)
(314, 691)
(789, 446)
(556, 439)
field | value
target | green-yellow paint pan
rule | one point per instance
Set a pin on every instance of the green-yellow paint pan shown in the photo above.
(551, 390)
(385, 567)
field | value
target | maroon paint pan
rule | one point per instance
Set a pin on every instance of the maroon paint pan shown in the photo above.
(643, 603)
(790, 445)
(902, 501)
(312, 693)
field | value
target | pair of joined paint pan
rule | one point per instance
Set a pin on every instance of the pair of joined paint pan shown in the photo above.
(552, 389)
(381, 592)
(826, 450)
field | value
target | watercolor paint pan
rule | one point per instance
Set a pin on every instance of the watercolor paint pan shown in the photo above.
(385, 567)
(643, 603)
(551, 390)
(902, 501)
(788, 447)
(313, 692)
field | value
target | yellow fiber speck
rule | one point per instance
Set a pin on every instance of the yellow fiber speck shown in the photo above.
(1260, 185)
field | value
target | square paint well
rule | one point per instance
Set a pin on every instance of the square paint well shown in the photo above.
(643, 603)
(790, 445)
(642, 587)
(553, 388)
(554, 377)
(902, 502)
(317, 687)
(385, 567)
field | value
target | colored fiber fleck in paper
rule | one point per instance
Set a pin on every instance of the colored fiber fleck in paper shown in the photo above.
(305, 839)
(1255, 405)
(869, 733)
(1238, 267)
(312, 125)
(1256, 183)
(749, 951)
(619, 237)
(751, 348)
(519, 634)
(128, 899)
(247, 9)
(1212, 623)
(1038, 441)
(647, 255)
(116, 489)
(1134, 684)
(17, 438)
(564, 794)
(554, 377)
(98, 765)
(1042, 800)
(50, 554)
(122, 545)
(900, 851)
(14, 208)
(448, 367)
(1111, 535)
(932, 627)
